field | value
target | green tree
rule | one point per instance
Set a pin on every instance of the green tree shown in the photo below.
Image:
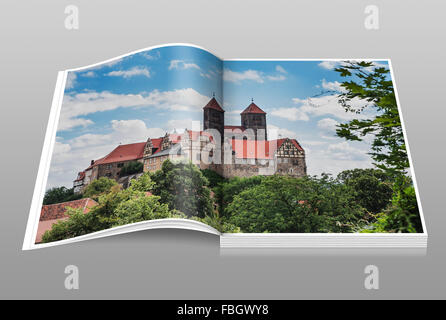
(115, 207)
(98, 187)
(144, 183)
(131, 167)
(232, 187)
(213, 177)
(60, 194)
(286, 204)
(402, 216)
(372, 188)
(372, 86)
(141, 207)
(77, 224)
(183, 187)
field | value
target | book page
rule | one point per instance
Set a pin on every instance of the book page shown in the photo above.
(118, 122)
(318, 146)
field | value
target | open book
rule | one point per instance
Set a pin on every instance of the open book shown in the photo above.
(267, 153)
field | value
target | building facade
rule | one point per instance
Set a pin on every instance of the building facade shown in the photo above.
(244, 150)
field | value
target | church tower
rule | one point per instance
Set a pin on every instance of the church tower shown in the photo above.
(214, 117)
(254, 118)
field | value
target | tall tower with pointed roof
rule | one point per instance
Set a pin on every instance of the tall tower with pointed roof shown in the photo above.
(214, 117)
(254, 118)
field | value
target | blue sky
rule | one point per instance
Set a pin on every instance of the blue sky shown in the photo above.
(151, 92)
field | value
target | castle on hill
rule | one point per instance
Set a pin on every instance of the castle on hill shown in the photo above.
(229, 150)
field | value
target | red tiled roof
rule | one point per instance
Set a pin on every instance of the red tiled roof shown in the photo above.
(125, 152)
(253, 108)
(257, 149)
(297, 145)
(156, 143)
(57, 210)
(213, 104)
(80, 176)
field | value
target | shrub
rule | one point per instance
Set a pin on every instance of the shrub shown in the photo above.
(60, 194)
(98, 187)
(131, 167)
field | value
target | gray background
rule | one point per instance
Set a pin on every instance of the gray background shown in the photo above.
(182, 264)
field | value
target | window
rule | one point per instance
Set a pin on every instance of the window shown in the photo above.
(120, 165)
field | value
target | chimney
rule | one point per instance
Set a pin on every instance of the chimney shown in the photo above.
(92, 162)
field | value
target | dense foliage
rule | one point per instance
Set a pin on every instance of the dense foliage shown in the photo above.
(98, 187)
(228, 190)
(371, 188)
(60, 194)
(286, 204)
(115, 207)
(184, 188)
(131, 167)
(355, 201)
(213, 177)
(403, 213)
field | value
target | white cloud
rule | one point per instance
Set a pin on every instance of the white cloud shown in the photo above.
(77, 106)
(279, 77)
(275, 132)
(344, 151)
(232, 114)
(297, 100)
(327, 124)
(328, 128)
(206, 75)
(292, 113)
(253, 75)
(151, 56)
(181, 64)
(332, 86)
(233, 76)
(280, 69)
(135, 71)
(334, 157)
(329, 65)
(329, 105)
(314, 143)
(179, 125)
(72, 156)
(89, 74)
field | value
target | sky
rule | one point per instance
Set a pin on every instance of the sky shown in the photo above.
(152, 92)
